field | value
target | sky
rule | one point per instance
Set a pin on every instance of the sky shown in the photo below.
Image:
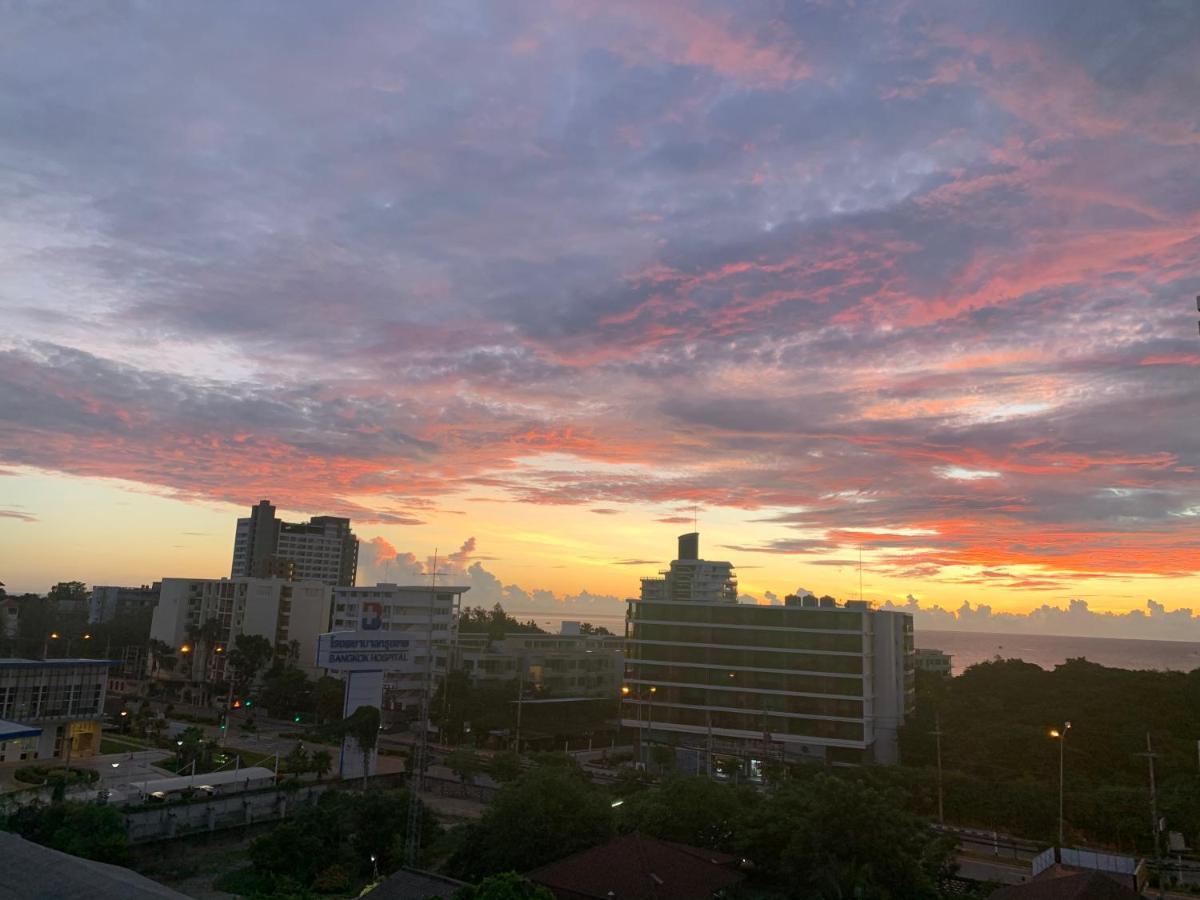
(542, 285)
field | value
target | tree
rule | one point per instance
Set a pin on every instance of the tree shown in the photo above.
(162, 656)
(297, 761)
(249, 654)
(321, 763)
(81, 829)
(495, 623)
(465, 764)
(203, 639)
(544, 815)
(194, 748)
(589, 628)
(286, 690)
(833, 837)
(691, 810)
(330, 696)
(363, 726)
(505, 766)
(507, 886)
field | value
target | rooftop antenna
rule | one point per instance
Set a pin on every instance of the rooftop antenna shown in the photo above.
(860, 590)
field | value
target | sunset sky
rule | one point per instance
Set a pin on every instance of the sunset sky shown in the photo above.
(542, 283)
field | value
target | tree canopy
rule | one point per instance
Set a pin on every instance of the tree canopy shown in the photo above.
(1001, 765)
(494, 622)
(546, 814)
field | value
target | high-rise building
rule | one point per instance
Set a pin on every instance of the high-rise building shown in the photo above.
(322, 549)
(280, 611)
(731, 686)
(412, 610)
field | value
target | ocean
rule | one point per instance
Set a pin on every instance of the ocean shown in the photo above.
(1048, 650)
(969, 647)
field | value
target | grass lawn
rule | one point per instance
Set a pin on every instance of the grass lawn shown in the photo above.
(114, 743)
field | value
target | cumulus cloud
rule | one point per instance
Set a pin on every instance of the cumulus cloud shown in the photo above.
(1153, 622)
(380, 561)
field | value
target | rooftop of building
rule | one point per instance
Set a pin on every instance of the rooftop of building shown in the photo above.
(636, 867)
(11, 731)
(406, 588)
(16, 662)
(212, 779)
(1063, 883)
(409, 883)
(34, 872)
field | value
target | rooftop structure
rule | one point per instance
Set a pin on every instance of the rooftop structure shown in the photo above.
(690, 578)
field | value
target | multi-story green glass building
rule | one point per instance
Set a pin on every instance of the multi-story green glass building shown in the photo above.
(727, 685)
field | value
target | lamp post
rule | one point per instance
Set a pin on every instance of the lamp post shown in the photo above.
(1061, 734)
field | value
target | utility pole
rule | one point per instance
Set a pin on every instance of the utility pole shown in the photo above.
(520, 696)
(1158, 867)
(416, 781)
(937, 733)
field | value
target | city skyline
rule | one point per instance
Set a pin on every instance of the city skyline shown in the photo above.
(544, 290)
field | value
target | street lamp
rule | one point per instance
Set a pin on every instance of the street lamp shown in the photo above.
(1061, 735)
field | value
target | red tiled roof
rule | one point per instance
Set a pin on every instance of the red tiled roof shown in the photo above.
(635, 867)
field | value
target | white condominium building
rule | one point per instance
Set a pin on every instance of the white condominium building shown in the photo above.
(280, 611)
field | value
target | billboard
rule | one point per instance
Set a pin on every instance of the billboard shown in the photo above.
(366, 651)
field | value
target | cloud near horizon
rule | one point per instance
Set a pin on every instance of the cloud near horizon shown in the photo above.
(910, 279)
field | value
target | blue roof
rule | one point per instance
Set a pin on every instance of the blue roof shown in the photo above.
(10, 731)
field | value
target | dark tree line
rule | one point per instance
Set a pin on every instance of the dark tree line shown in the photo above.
(1001, 764)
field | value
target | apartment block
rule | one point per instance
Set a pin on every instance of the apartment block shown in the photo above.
(281, 611)
(322, 549)
(741, 685)
(111, 602)
(559, 665)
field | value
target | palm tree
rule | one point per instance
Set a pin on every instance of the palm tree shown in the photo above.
(321, 762)
(162, 656)
(363, 726)
(204, 639)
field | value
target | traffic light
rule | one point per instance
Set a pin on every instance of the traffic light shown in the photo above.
(237, 704)
(249, 703)
(296, 718)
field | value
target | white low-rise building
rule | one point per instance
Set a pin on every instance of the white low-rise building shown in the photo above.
(57, 702)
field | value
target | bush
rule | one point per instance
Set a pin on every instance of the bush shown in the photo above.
(45, 775)
(333, 880)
